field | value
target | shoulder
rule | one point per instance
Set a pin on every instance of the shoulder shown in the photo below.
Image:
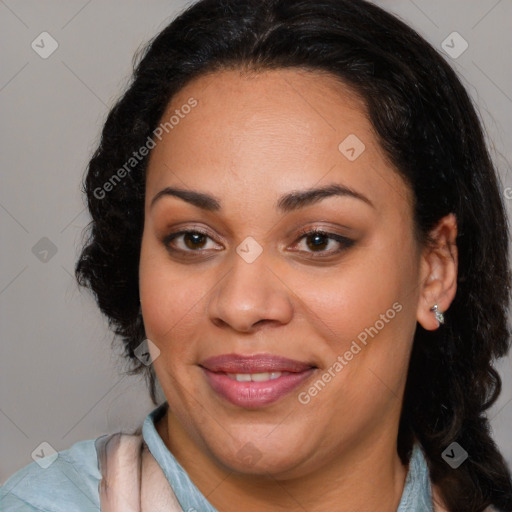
(52, 484)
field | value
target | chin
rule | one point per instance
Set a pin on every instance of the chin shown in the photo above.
(258, 455)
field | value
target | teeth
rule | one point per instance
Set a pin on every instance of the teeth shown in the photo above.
(254, 377)
(261, 377)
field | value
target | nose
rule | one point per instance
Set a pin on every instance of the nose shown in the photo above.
(250, 295)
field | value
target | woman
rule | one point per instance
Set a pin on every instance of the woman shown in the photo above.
(296, 220)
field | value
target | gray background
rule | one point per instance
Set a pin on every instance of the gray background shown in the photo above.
(60, 382)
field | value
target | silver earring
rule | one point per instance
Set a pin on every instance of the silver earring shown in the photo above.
(439, 314)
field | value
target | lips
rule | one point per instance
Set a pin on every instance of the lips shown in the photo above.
(254, 381)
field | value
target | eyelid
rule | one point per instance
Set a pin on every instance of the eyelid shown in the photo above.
(192, 228)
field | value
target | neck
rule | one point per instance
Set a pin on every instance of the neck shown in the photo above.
(369, 477)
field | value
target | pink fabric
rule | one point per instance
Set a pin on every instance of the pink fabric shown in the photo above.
(132, 479)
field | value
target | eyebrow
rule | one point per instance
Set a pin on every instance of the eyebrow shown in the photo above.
(288, 202)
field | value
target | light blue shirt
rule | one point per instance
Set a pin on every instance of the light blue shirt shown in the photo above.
(71, 481)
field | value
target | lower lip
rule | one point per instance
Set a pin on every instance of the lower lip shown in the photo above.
(255, 394)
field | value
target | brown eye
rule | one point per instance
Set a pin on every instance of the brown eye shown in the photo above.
(317, 241)
(194, 240)
(191, 241)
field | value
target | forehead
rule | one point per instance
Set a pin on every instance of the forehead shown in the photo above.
(263, 134)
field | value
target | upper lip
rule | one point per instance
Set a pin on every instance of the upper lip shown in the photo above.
(258, 363)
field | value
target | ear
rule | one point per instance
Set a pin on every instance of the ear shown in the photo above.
(438, 272)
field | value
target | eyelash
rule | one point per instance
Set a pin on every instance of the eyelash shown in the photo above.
(304, 233)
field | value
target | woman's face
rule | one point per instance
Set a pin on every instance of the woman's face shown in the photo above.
(341, 305)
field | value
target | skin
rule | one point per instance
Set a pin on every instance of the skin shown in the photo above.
(252, 138)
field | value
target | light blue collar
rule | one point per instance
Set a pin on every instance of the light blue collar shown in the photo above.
(416, 496)
(189, 496)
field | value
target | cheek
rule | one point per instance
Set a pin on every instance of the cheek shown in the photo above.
(366, 347)
(353, 296)
(170, 297)
(365, 312)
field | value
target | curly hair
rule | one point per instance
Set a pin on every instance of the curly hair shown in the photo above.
(432, 135)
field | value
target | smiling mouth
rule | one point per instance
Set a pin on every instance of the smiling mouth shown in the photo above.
(254, 381)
